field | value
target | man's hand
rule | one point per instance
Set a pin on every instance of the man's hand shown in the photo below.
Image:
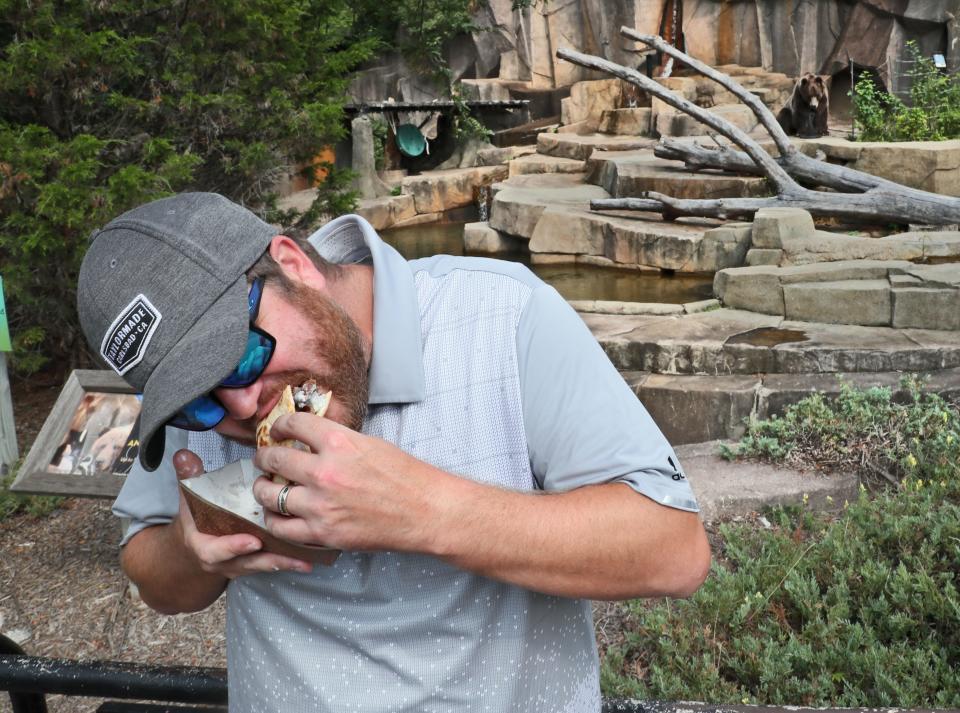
(351, 492)
(356, 492)
(228, 556)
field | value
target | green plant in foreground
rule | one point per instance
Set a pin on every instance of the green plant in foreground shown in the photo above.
(860, 609)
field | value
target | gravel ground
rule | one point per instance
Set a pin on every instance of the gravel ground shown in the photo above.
(62, 593)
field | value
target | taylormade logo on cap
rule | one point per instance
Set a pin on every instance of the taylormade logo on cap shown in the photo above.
(126, 340)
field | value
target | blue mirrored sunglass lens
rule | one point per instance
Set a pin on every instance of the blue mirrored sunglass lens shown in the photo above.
(254, 361)
(199, 415)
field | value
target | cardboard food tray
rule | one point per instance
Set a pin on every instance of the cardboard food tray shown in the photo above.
(222, 503)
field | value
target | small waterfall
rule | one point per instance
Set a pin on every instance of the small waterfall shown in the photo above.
(483, 203)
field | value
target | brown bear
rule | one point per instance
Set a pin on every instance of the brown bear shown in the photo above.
(807, 112)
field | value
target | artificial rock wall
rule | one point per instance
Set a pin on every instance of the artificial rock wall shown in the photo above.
(789, 36)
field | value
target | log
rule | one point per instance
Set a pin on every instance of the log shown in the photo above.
(872, 199)
(869, 208)
(797, 164)
(764, 115)
(771, 169)
(801, 167)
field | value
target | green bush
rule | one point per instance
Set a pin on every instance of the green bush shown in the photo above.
(933, 113)
(860, 609)
(107, 105)
(864, 431)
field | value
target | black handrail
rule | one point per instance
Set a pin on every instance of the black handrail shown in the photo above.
(21, 701)
(28, 678)
(112, 679)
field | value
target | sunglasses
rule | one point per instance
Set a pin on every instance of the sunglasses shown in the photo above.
(205, 412)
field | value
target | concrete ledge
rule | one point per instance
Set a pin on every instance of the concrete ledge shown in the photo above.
(615, 307)
(654, 308)
(865, 302)
(727, 341)
(689, 409)
(730, 488)
(439, 191)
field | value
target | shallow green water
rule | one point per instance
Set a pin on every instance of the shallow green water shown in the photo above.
(574, 282)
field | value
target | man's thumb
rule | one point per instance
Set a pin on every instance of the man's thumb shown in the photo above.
(187, 464)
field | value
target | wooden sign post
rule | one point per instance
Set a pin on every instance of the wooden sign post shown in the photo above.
(8, 431)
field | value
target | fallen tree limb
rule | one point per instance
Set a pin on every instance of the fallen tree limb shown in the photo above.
(797, 164)
(801, 167)
(764, 115)
(771, 169)
(875, 199)
(886, 209)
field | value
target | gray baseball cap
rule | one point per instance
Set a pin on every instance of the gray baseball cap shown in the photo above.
(162, 298)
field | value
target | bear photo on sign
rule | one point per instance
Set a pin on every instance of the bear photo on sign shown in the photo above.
(807, 112)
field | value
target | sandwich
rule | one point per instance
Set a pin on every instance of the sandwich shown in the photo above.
(222, 503)
(306, 397)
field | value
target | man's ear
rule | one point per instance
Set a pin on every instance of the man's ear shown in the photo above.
(294, 262)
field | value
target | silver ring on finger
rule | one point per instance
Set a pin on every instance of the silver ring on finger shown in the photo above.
(282, 500)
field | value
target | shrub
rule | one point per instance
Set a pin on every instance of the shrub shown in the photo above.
(933, 113)
(864, 431)
(861, 609)
(107, 105)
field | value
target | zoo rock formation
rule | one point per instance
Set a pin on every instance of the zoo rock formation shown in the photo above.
(788, 36)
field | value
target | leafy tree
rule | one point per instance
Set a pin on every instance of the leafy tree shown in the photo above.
(104, 105)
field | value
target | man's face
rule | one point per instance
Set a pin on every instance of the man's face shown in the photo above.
(316, 339)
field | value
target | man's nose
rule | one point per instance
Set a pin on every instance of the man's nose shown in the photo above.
(240, 404)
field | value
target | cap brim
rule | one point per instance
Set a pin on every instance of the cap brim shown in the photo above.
(202, 358)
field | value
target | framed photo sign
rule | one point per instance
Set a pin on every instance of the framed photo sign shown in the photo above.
(88, 442)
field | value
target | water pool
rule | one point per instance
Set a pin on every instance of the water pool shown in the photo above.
(574, 282)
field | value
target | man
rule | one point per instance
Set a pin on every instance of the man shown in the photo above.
(504, 473)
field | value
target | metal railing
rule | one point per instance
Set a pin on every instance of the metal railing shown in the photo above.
(29, 679)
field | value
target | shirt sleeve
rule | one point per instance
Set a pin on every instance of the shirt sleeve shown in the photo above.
(146, 498)
(583, 423)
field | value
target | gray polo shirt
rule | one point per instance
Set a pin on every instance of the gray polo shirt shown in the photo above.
(483, 370)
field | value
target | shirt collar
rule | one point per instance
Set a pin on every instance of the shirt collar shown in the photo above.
(396, 363)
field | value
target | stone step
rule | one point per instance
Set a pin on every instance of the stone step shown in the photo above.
(589, 99)
(676, 123)
(552, 211)
(893, 293)
(538, 163)
(625, 174)
(636, 121)
(519, 202)
(580, 146)
(735, 342)
(504, 155)
(525, 133)
(439, 191)
(387, 211)
(691, 408)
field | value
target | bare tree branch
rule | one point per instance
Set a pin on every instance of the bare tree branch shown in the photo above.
(875, 199)
(764, 115)
(880, 207)
(771, 169)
